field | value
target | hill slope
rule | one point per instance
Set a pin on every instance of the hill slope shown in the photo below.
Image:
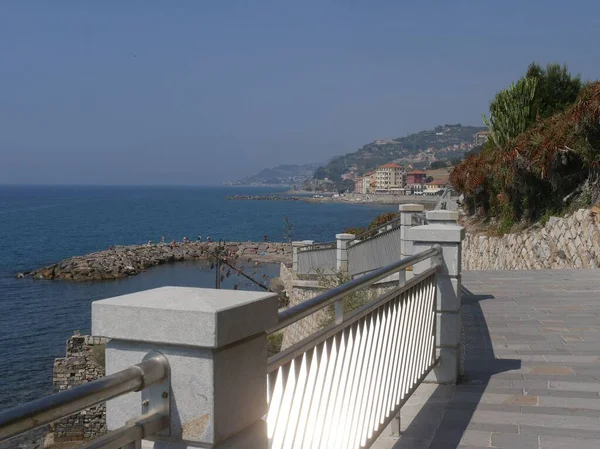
(440, 140)
(282, 174)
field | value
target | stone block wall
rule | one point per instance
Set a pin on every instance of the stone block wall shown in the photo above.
(300, 290)
(84, 362)
(569, 242)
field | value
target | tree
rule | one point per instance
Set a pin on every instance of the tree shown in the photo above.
(288, 230)
(429, 179)
(556, 89)
(347, 185)
(438, 164)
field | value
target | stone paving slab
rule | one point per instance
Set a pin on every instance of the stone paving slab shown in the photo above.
(531, 368)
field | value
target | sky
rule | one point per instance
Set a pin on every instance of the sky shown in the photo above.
(201, 92)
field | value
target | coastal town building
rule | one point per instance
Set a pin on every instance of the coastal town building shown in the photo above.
(359, 185)
(480, 137)
(416, 180)
(415, 177)
(369, 182)
(389, 176)
(435, 187)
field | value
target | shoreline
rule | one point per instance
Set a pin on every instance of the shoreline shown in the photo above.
(350, 198)
(124, 261)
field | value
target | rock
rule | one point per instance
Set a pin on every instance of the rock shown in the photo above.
(128, 261)
(552, 221)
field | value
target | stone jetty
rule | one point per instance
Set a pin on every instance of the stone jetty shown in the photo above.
(123, 261)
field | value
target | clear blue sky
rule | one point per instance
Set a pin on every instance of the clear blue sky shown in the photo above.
(198, 92)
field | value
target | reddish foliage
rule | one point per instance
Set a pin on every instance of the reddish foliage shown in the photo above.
(553, 154)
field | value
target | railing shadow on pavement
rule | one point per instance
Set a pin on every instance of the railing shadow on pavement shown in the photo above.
(443, 418)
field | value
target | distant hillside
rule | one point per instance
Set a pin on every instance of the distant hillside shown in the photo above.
(282, 174)
(442, 142)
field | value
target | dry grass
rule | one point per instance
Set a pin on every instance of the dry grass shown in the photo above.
(439, 174)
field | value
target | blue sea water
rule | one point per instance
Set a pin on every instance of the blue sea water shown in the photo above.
(41, 225)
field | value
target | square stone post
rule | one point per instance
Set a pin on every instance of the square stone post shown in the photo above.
(341, 258)
(295, 246)
(342, 241)
(406, 222)
(442, 216)
(448, 304)
(216, 346)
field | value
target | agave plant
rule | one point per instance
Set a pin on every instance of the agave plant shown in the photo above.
(511, 112)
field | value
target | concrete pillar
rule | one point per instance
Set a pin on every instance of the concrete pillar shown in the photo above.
(342, 241)
(295, 247)
(406, 222)
(448, 304)
(216, 345)
(442, 216)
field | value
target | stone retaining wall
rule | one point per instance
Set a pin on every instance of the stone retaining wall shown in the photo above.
(569, 242)
(84, 362)
(300, 290)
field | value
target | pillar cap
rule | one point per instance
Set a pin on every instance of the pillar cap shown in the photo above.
(345, 236)
(185, 316)
(437, 233)
(411, 208)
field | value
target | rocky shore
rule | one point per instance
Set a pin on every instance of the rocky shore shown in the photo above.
(123, 261)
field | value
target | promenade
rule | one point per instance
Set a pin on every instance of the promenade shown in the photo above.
(531, 368)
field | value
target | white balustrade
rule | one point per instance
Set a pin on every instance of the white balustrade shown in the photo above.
(343, 386)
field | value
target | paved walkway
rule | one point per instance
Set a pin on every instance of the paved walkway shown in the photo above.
(531, 350)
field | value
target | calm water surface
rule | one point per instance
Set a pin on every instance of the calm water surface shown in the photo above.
(41, 225)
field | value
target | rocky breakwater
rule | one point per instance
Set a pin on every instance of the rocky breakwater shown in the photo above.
(123, 261)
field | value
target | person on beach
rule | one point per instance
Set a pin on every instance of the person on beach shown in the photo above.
(172, 244)
(199, 238)
(162, 240)
(185, 239)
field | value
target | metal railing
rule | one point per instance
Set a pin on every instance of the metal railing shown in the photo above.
(341, 386)
(443, 201)
(375, 252)
(418, 219)
(151, 377)
(318, 260)
(392, 224)
(317, 246)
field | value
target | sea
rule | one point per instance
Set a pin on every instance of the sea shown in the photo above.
(40, 225)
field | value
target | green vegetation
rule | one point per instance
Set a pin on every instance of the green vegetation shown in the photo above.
(543, 157)
(377, 221)
(274, 342)
(438, 164)
(351, 302)
(511, 112)
(380, 152)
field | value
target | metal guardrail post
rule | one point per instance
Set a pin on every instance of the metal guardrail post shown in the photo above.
(448, 302)
(216, 345)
